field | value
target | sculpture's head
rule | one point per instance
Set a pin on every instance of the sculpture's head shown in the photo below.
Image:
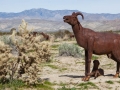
(41, 33)
(33, 33)
(96, 62)
(72, 19)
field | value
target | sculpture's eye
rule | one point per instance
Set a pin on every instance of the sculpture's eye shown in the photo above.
(73, 17)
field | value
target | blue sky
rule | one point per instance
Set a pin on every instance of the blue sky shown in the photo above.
(89, 6)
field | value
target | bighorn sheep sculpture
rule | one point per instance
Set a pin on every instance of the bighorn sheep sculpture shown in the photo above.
(95, 71)
(94, 43)
(34, 34)
(71, 36)
(45, 36)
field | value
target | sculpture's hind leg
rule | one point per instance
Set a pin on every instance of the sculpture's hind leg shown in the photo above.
(117, 70)
(117, 64)
(115, 55)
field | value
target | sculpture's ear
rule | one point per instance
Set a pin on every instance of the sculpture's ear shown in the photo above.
(73, 13)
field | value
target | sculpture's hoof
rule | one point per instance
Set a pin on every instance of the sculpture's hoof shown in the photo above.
(116, 75)
(86, 78)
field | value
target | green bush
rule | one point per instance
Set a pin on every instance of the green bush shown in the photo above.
(5, 39)
(70, 50)
(109, 82)
(65, 88)
(12, 84)
(87, 85)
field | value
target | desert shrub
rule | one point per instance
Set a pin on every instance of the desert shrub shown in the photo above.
(20, 85)
(31, 53)
(109, 82)
(58, 34)
(8, 39)
(61, 33)
(87, 85)
(66, 49)
(12, 29)
(7, 67)
(12, 85)
(52, 38)
(67, 32)
(66, 37)
(5, 39)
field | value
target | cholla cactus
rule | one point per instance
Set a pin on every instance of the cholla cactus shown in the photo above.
(12, 37)
(23, 28)
(52, 38)
(31, 53)
(39, 38)
(5, 61)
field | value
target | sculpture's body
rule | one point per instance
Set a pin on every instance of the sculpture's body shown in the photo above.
(94, 42)
(45, 36)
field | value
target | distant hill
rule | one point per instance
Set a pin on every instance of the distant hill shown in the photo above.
(52, 20)
(55, 15)
(48, 25)
(37, 14)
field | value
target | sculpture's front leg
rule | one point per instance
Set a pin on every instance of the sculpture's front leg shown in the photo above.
(88, 56)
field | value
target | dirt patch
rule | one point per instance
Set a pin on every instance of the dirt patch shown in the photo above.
(70, 70)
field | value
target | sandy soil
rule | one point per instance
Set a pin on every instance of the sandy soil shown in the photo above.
(69, 71)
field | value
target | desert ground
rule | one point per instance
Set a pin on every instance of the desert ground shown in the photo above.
(66, 72)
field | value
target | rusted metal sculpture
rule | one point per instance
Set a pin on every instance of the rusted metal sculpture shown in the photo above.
(94, 43)
(95, 71)
(72, 36)
(34, 34)
(45, 36)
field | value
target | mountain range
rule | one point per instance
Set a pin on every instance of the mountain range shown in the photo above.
(55, 15)
(51, 20)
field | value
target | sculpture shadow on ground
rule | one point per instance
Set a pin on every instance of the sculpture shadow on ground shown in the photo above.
(72, 76)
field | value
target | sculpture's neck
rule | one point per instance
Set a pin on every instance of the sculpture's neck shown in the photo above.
(43, 34)
(77, 29)
(79, 35)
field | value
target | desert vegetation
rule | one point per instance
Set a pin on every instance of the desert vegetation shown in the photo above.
(30, 52)
(29, 61)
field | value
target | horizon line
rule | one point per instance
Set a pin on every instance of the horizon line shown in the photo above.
(57, 10)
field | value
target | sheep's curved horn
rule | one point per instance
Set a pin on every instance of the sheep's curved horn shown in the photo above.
(79, 13)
